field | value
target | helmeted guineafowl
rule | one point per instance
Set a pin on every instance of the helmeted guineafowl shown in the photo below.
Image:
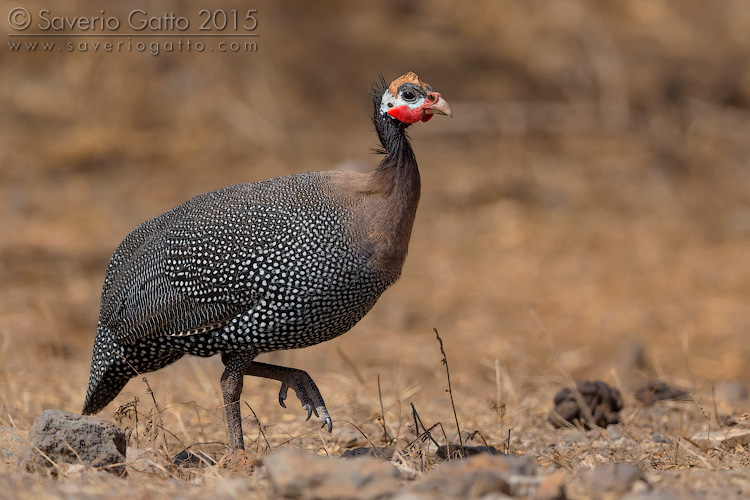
(280, 264)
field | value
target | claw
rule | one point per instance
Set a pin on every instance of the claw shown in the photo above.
(304, 388)
(283, 393)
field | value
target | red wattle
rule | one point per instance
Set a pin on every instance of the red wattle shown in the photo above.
(406, 115)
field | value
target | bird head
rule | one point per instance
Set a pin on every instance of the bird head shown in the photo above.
(409, 100)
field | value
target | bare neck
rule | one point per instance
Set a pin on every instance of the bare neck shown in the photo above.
(395, 189)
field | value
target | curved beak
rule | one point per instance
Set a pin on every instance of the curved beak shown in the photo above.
(437, 105)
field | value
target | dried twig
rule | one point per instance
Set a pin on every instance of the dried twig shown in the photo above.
(426, 433)
(450, 390)
(260, 427)
(372, 445)
(479, 433)
(713, 402)
(367, 438)
(325, 446)
(382, 414)
(160, 422)
(416, 421)
(499, 407)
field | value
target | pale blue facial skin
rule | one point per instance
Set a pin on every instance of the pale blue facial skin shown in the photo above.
(388, 98)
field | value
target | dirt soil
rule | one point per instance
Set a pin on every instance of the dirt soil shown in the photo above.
(585, 215)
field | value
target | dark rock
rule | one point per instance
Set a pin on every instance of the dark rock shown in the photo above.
(187, 459)
(658, 438)
(69, 438)
(603, 402)
(383, 453)
(616, 478)
(299, 474)
(567, 410)
(658, 391)
(455, 451)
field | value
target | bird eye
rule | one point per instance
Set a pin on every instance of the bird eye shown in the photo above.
(408, 95)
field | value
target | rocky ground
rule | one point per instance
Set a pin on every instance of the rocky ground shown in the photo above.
(585, 215)
(669, 449)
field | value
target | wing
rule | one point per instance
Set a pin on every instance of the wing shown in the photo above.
(189, 270)
(196, 267)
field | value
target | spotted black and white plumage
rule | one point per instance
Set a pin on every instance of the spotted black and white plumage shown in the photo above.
(278, 264)
(260, 273)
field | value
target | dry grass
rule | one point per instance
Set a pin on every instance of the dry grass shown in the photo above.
(594, 180)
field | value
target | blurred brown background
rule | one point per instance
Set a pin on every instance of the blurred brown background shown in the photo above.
(588, 201)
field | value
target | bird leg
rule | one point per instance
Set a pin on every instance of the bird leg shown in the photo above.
(231, 389)
(306, 390)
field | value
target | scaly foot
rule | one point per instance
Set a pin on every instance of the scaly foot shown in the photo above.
(304, 387)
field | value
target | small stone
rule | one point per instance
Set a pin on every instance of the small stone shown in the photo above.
(69, 438)
(12, 442)
(615, 433)
(658, 438)
(298, 474)
(616, 478)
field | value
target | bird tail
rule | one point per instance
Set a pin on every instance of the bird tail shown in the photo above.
(110, 371)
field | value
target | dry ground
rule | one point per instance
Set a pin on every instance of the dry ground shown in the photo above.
(584, 215)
